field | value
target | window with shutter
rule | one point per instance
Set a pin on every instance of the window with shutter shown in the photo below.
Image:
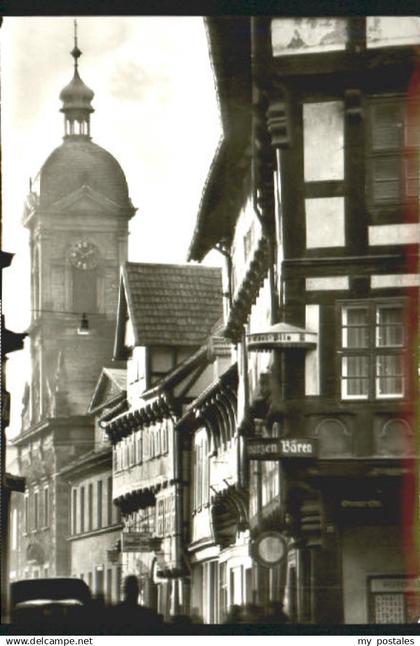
(393, 147)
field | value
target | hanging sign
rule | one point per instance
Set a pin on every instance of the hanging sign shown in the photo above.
(281, 336)
(262, 448)
(139, 542)
(269, 548)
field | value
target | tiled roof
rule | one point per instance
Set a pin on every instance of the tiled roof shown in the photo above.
(172, 304)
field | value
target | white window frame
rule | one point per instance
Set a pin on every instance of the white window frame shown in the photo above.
(372, 351)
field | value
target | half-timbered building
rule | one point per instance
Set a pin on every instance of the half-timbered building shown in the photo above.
(319, 156)
(165, 315)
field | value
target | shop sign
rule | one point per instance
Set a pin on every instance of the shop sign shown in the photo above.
(280, 339)
(269, 549)
(139, 542)
(113, 556)
(276, 448)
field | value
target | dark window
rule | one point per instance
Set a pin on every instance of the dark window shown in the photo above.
(372, 345)
(160, 510)
(46, 507)
(26, 514)
(99, 507)
(99, 583)
(36, 510)
(118, 580)
(393, 147)
(109, 501)
(109, 585)
(90, 507)
(139, 458)
(82, 509)
(74, 512)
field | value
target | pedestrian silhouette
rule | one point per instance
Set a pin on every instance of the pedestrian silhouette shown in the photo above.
(130, 615)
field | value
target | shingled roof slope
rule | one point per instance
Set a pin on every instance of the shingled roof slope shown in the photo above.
(172, 304)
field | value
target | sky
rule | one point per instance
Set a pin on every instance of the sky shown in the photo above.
(156, 111)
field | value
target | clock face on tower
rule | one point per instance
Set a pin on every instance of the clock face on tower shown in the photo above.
(83, 255)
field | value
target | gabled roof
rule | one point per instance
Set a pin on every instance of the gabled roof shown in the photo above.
(168, 304)
(111, 384)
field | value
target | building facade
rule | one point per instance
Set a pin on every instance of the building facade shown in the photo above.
(95, 527)
(165, 314)
(320, 145)
(12, 485)
(77, 215)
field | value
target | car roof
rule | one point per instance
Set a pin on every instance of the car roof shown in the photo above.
(57, 588)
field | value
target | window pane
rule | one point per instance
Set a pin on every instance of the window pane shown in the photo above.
(355, 376)
(355, 327)
(389, 375)
(389, 327)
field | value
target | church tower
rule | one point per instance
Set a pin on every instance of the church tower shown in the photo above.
(77, 213)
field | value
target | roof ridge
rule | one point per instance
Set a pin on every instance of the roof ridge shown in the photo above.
(186, 265)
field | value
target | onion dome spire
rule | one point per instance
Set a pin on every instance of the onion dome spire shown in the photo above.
(76, 98)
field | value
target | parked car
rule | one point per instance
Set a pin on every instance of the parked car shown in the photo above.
(58, 600)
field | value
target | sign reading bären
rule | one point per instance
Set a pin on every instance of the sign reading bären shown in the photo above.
(277, 448)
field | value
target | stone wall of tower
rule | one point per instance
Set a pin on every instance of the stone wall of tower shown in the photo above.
(66, 365)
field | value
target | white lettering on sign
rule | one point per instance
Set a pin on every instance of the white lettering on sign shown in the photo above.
(263, 449)
(278, 448)
(290, 446)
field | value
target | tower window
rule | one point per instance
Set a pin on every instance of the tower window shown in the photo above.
(84, 290)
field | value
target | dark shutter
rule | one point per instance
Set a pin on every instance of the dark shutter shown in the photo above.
(387, 136)
(387, 126)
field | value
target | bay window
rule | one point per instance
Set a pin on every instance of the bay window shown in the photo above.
(372, 350)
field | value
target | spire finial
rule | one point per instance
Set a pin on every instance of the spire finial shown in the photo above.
(76, 53)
